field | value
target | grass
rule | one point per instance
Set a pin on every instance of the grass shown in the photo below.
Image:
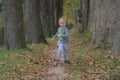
(90, 62)
(87, 61)
(9, 57)
(78, 71)
(10, 60)
(114, 75)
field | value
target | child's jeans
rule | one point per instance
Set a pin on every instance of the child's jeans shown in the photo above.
(62, 49)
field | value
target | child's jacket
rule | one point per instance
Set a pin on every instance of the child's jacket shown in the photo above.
(63, 35)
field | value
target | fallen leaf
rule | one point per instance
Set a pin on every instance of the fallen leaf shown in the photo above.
(97, 65)
(34, 71)
(36, 63)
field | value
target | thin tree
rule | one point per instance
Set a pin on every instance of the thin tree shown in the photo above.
(85, 15)
(52, 15)
(59, 10)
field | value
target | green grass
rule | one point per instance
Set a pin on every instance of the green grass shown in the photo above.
(87, 34)
(48, 40)
(13, 58)
(10, 57)
(78, 71)
(114, 75)
(2, 70)
(86, 58)
(100, 57)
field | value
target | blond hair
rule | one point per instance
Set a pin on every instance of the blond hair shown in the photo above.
(62, 18)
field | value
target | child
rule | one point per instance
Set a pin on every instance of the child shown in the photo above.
(63, 42)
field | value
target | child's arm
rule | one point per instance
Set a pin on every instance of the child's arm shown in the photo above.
(54, 36)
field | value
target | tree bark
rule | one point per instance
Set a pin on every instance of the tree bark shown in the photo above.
(34, 28)
(78, 16)
(85, 15)
(14, 37)
(59, 11)
(102, 21)
(116, 45)
(52, 15)
(45, 18)
(1, 36)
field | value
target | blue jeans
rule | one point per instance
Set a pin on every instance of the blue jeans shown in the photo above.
(62, 49)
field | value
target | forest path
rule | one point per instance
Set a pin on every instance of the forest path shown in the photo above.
(54, 72)
(59, 72)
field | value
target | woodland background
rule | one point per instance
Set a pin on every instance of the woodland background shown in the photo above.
(26, 27)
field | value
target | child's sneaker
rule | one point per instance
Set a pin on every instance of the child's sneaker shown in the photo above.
(66, 62)
(57, 61)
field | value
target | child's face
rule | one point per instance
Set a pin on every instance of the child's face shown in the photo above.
(62, 23)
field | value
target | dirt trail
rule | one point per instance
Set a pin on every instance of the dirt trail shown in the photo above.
(56, 72)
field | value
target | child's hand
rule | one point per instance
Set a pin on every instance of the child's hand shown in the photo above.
(58, 35)
(52, 39)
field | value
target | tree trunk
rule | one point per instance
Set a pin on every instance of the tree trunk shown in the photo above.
(13, 24)
(59, 11)
(78, 16)
(91, 23)
(52, 15)
(45, 18)
(1, 36)
(102, 21)
(34, 28)
(116, 45)
(85, 15)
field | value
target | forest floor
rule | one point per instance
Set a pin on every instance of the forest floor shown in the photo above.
(37, 62)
